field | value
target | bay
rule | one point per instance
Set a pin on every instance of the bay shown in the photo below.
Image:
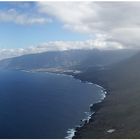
(42, 105)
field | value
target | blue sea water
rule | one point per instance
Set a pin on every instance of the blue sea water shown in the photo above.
(42, 105)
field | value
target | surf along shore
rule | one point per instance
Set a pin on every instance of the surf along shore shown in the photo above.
(118, 115)
(74, 132)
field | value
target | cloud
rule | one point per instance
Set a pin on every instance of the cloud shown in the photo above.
(113, 25)
(12, 15)
(7, 53)
(74, 15)
(99, 43)
(119, 21)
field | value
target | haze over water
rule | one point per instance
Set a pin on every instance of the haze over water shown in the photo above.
(42, 105)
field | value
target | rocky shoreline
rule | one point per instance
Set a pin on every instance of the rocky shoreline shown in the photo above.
(93, 108)
(117, 116)
(76, 132)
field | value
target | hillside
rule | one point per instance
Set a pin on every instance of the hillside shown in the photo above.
(73, 59)
(117, 71)
(120, 109)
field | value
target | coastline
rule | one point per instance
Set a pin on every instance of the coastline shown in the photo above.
(73, 133)
(93, 109)
(117, 116)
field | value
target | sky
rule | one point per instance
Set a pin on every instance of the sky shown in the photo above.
(33, 27)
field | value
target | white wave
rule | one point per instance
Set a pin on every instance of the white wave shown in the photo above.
(90, 105)
(70, 133)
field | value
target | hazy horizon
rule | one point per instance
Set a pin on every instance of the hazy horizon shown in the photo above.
(33, 27)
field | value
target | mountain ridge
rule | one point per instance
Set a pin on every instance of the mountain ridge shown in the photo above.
(79, 59)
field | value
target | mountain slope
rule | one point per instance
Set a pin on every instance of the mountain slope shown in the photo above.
(120, 110)
(79, 59)
(120, 76)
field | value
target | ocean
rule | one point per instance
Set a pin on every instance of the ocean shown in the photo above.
(43, 105)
